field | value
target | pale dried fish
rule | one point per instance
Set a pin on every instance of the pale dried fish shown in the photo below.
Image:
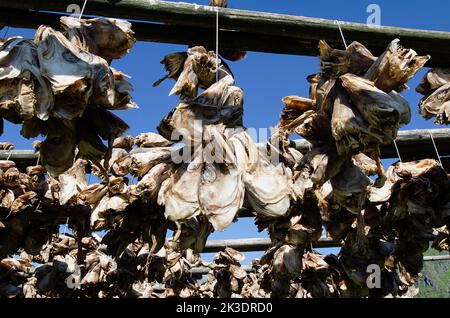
(437, 105)
(395, 67)
(383, 113)
(23, 89)
(350, 188)
(180, 193)
(148, 187)
(269, 188)
(220, 207)
(356, 59)
(149, 140)
(6, 146)
(72, 182)
(142, 162)
(124, 142)
(174, 64)
(433, 79)
(108, 38)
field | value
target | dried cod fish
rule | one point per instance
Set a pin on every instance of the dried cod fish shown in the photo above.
(108, 38)
(395, 67)
(356, 59)
(24, 91)
(220, 207)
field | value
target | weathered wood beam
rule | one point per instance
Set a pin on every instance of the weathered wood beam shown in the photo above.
(436, 258)
(185, 23)
(262, 244)
(412, 144)
(255, 244)
(250, 269)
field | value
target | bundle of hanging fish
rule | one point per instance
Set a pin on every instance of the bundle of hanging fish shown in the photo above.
(217, 169)
(61, 85)
(354, 104)
(353, 108)
(435, 88)
(392, 232)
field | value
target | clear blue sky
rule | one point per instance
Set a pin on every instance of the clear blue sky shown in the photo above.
(265, 78)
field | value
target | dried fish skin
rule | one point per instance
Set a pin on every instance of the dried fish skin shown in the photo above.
(86, 77)
(58, 149)
(120, 162)
(72, 87)
(114, 204)
(395, 67)
(217, 148)
(220, 207)
(402, 106)
(180, 193)
(356, 59)
(149, 140)
(174, 64)
(148, 187)
(325, 95)
(124, 142)
(367, 165)
(218, 3)
(349, 130)
(287, 264)
(433, 79)
(268, 188)
(72, 182)
(22, 87)
(6, 199)
(221, 94)
(142, 162)
(314, 127)
(437, 105)
(298, 103)
(321, 164)
(350, 188)
(245, 150)
(380, 110)
(122, 92)
(105, 37)
(187, 120)
(23, 201)
(187, 83)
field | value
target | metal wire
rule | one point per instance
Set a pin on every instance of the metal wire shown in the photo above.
(435, 147)
(342, 33)
(82, 10)
(398, 152)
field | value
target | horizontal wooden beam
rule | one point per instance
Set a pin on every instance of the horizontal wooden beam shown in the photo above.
(256, 244)
(436, 258)
(412, 144)
(185, 23)
(249, 269)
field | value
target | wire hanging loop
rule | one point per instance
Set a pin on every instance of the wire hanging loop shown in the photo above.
(435, 148)
(82, 9)
(342, 33)
(398, 151)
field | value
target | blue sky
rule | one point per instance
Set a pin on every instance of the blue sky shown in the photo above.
(265, 78)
